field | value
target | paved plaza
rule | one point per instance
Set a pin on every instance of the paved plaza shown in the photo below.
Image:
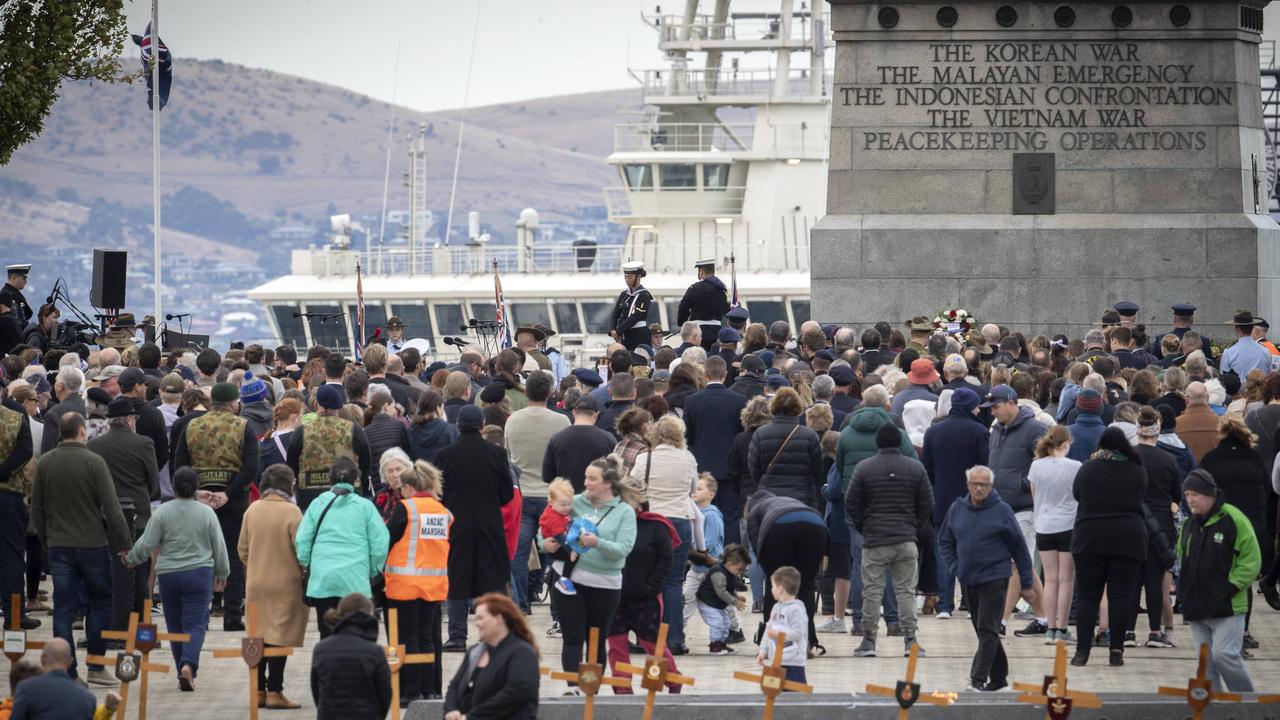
(222, 691)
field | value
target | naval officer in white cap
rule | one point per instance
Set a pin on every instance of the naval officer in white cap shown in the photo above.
(631, 313)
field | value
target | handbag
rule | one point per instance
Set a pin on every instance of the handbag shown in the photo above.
(306, 571)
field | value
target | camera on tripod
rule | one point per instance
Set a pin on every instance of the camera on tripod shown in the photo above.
(69, 333)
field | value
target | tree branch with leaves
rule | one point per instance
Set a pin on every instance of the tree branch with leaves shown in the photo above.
(43, 43)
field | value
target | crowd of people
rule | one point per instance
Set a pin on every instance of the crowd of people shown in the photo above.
(1071, 481)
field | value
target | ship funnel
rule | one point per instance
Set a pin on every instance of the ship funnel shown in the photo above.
(473, 225)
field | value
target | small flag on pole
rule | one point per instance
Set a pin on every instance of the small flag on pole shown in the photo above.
(166, 65)
(499, 313)
(360, 340)
(733, 281)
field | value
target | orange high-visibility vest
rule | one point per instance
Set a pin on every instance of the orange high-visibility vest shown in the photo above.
(418, 565)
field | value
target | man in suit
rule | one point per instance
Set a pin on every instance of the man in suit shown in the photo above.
(132, 460)
(712, 419)
(67, 388)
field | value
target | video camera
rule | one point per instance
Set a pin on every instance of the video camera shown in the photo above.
(69, 333)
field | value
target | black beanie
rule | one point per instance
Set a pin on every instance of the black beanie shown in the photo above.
(1200, 481)
(888, 436)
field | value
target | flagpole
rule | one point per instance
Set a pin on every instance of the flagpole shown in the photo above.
(155, 148)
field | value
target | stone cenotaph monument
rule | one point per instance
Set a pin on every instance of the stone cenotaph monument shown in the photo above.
(1035, 162)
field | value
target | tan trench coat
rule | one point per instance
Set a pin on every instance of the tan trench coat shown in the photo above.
(273, 578)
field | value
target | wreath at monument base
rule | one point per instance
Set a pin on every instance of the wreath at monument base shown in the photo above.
(951, 322)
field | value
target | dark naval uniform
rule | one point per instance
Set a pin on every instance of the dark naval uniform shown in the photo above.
(223, 450)
(1188, 311)
(315, 446)
(705, 302)
(12, 296)
(15, 451)
(631, 317)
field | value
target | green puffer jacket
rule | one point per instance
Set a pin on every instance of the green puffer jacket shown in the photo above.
(1220, 558)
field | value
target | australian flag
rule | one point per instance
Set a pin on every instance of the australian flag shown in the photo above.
(166, 66)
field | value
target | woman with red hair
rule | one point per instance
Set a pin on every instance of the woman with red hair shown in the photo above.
(499, 675)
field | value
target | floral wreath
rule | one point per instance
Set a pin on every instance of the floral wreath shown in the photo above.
(953, 321)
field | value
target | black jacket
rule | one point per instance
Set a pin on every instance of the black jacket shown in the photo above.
(1109, 519)
(797, 471)
(350, 678)
(151, 424)
(748, 385)
(1164, 487)
(704, 300)
(763, 511)
(738, 477)
(889, 498)
(648, 562)
(1239, 472)
(477, 483)
(383, 433)
(505, 689)
(712, 417)
(133, 469)
(53, 416)
(608, 419)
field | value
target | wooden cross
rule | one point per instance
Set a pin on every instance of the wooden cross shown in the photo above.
(907, 692)
(139, 640)
(252, 650)
(773, 679)
(1199, 690)
(1053, 693)
(16, 643)
(397, 658)
(655, 675)
(147, 639)
(590, 676)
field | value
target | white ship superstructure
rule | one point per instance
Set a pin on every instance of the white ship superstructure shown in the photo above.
(727, 161)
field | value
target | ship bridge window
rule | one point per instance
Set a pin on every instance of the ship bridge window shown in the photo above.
(375, 316)
(768, 311)
(449, 318)
(679, 177)
(715, 176)
(291, 332)
(800, 310)
(639, 177)
(327, 327)
(599, 317)
(483, 312)
(528, 313)
(567, 322)
(417, 324)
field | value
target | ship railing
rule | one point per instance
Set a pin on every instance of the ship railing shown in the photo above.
(726, 82)
(632, 203)
(577, 256)
(762, 26)
(788, 140)
(683, 137)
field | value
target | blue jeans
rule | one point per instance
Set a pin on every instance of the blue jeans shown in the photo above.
(13, 549)
(755, 573)
(73, 569)
(530, 511)
(186, 596)
(673, 586)
(889, 601)
(717, 620)
(946, 581)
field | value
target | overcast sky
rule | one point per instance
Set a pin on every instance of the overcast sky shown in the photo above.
(524, 48)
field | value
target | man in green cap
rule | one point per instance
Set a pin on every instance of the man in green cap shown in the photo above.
(223, 451)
